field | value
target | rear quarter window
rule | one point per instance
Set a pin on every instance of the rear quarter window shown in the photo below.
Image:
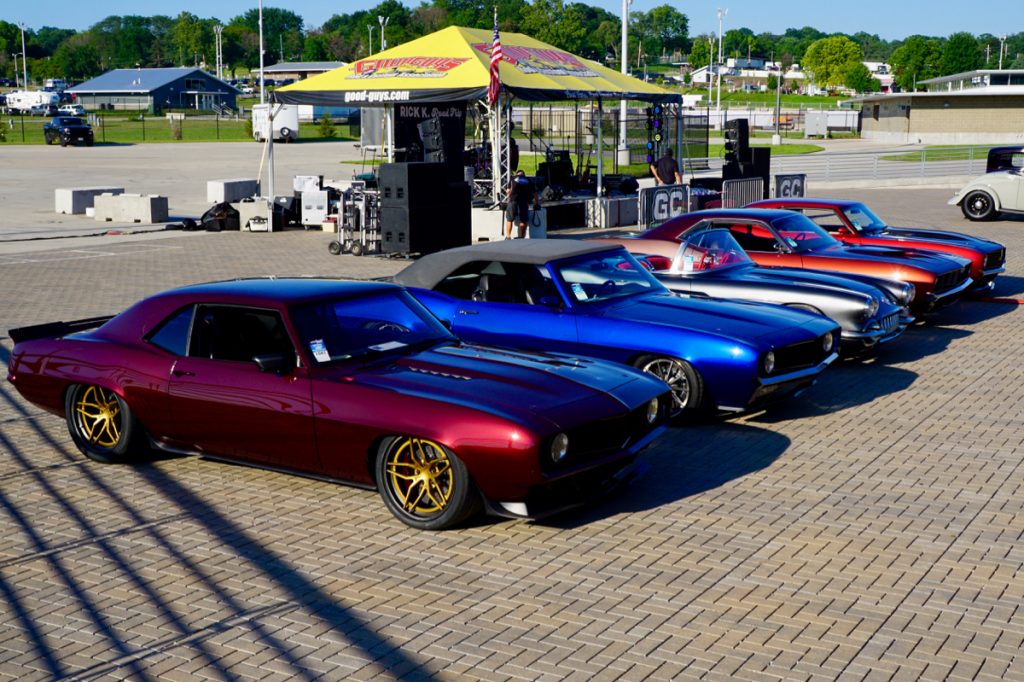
(172, 334)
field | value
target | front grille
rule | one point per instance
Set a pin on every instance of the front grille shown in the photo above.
(799, 356)
(951, 279)
(610, 435)
(995, 259)
(890, 322)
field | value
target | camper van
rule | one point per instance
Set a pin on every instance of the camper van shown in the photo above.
(55, 84)
(286, 122)
(24, 100)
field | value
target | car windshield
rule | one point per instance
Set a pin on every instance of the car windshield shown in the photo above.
(346, 329)
(863, 219)
(69, 121)
(606, 275)
(709, 250)
(801, 234)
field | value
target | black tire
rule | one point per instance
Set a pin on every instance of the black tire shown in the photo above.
(686, 384)
(334, 247)
(978, 205)
(49, 140)
(356, 249)
(63, 142)
(89, 143)
(424, 484)
(286, 134)
(101, 424)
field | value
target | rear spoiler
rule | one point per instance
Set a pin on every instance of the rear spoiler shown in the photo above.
(53, 330)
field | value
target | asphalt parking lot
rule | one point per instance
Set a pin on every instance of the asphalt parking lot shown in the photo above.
(870, 528)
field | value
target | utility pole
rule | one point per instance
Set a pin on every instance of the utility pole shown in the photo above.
(218, 30)
(1002, 45)
(383, 22)
(17, 76)
(263, 98)
(369, 47)
(624, 61)
(25, 58)
(718, 107)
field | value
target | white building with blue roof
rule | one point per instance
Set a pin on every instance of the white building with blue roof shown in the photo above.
(154, 90)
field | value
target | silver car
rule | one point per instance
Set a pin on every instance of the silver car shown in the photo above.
(712, 264)
(1000, 190)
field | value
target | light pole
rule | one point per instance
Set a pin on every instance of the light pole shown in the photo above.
(369, 48)
(718, 106)
(17, 76)
(25, 59)
(218, 30)
(383, 22)
(1002, 45)
(263, 99)
(623, 145)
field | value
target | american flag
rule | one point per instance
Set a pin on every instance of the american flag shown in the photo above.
(494, 87)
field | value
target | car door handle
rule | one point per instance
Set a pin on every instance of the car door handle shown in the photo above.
(468, 312)
(182, 373)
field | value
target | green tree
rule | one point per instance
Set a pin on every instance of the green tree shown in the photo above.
(567, 32)
(77, 58)
(701, 51)
(859, 79)
(916, 60)
(670, 28)
(960, 53)
(827, 60)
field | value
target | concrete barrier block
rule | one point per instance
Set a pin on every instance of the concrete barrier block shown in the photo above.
(131, 208)
(74, 200)
(236, 189)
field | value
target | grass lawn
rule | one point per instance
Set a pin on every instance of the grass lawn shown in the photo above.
(134, 130)
(942, 153)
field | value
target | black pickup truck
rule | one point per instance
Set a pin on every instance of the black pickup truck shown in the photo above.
(68, 130)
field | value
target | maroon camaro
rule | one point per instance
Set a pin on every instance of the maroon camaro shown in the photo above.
(776, 238)
(349, 381)
(852, 222)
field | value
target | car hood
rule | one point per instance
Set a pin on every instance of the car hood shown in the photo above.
(936, 263)
(822, 281)
(937, 237)
(512, 383)
(737, 320)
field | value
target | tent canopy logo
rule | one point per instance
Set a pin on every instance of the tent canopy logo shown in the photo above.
(541, 60)
(406, 67)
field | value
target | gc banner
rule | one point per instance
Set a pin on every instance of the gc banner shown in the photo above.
(658, 204)
(790, 185)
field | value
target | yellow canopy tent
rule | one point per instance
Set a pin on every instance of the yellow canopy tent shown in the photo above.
(453, 65)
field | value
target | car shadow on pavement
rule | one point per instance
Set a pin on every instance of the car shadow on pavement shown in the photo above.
(685, 461)
(1008, 286)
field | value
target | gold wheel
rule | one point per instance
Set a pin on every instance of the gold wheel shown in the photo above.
(420, 476)
(98, 417)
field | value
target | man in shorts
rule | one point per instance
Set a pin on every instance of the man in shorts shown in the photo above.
(521, 193)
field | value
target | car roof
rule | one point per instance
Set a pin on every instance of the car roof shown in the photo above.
(287, 290)
(431, 269)
(803, 201)
(741, 213)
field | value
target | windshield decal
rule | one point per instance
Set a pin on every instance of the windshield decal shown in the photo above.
(319, 350)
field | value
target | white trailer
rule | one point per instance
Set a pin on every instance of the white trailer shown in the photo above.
(286, 121)
(23, 100)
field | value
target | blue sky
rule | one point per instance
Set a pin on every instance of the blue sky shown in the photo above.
(889, 19)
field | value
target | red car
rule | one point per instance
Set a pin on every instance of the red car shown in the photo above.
(852, 222)
(347, 381)
(773, 237)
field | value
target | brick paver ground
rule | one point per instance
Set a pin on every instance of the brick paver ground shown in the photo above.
(871, 529)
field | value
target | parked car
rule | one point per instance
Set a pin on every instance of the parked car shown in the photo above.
(43, 110)
(999, 190)
(246, 89)
(776, 238)
(852, 222)
(348, 381)
(597, 300)
(710, 263)
(68, 130)
(72, 110)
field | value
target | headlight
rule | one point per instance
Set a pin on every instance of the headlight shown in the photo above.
(652, 411)
(908, 293)
(559, 447)
(826, 342)
(872, 308)
(769, 362)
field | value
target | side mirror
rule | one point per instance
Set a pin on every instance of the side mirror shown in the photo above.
(276, 363)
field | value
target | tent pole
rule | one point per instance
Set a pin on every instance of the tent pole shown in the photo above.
(270, 167)
(600, 147)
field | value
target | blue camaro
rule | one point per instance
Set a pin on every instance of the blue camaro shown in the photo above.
(587, 298)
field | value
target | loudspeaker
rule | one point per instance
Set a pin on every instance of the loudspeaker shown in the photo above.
(761, 167)
(412, 184)
(431, 227)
